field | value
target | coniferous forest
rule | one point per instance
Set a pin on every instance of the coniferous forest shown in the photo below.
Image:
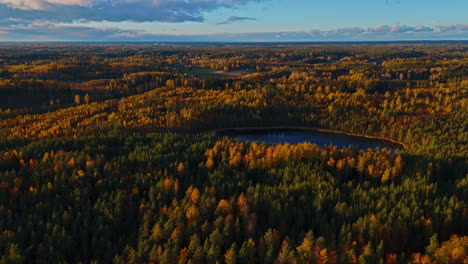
(112, 153)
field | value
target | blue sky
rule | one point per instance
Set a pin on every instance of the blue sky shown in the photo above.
(232, 20)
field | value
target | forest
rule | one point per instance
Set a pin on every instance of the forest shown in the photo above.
(110, 153)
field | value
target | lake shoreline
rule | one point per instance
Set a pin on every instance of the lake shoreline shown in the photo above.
(398, 144)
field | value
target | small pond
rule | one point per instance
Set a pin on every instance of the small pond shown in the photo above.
(295, 136)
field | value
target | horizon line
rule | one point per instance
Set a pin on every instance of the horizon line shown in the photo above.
(234, 42)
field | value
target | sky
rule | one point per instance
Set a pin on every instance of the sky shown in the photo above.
(232, 20)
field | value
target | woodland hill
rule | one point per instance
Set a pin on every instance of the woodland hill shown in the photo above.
(107, 154)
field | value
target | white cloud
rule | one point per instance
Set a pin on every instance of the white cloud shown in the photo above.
(399, 29)
(459, 27)
(463, 27)
(45, 4)
(349, 30)
(233, 19)
(380, 28)
(422, 29)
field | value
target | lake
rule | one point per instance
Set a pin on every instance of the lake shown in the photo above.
(320, 138)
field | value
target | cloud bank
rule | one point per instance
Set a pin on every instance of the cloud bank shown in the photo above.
(400, 29)
(114, 10)
(42, 30)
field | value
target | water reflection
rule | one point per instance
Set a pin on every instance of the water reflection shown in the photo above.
(316, 137)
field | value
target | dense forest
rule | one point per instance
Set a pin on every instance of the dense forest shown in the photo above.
(109, 153)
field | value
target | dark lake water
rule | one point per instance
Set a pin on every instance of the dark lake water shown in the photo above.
(316, 137)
